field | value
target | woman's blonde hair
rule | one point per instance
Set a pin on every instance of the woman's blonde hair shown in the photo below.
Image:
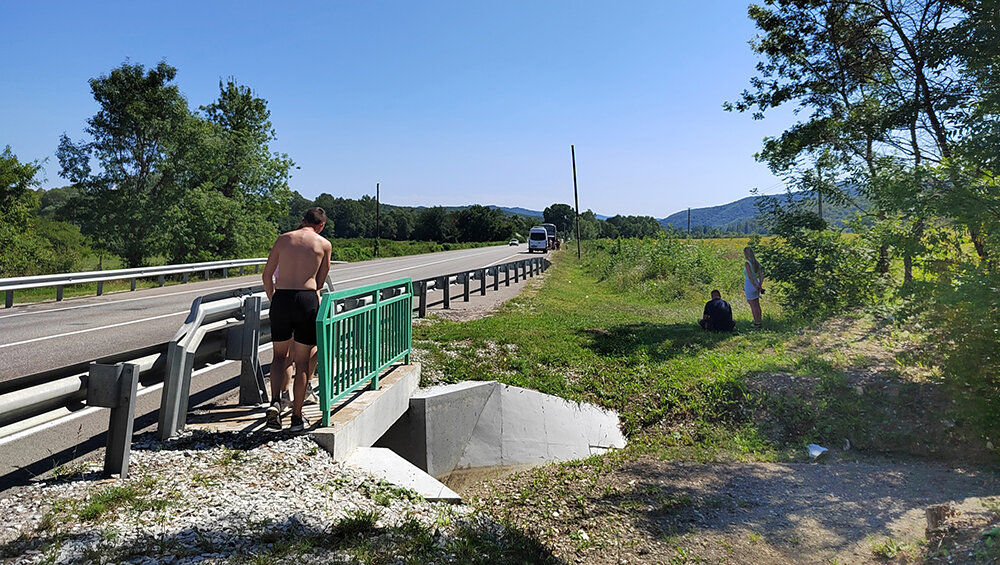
(752, 259)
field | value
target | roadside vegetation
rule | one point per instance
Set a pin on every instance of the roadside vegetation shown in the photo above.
(618, 329)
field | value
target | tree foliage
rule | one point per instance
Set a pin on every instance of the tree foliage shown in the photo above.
(172, 182)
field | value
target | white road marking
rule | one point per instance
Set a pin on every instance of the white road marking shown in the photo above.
(217, 288)
(37, 339)
(202, 290)
(91, 329)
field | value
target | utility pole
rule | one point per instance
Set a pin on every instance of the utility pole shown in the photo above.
(377, 218)
(576, 200)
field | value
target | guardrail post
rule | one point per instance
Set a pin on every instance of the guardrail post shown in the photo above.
(173, 407)
(422, 301)
(517, 272)
(132, 283)
(207, 274)
(9, 300)
(225, 272)
(252, 388)
(496, 278)
(506, 274)
(482, 282)
(161, 280)
(466, 279)
(447, 292)
(114, 386)
(100, 288)
(59, 293)
(186, 277)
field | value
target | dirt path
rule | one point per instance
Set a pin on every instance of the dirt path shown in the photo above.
(653, 511)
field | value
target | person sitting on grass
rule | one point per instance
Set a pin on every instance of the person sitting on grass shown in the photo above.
(718, 314)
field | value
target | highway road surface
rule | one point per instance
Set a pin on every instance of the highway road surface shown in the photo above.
(43, 336)
(38, 337)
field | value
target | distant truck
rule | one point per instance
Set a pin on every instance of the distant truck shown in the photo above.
(538, 240)
(550, 229)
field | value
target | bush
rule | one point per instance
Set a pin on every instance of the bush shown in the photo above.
(962, 317)
(665, 268)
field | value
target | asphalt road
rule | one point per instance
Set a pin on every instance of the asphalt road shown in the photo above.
(50, 335)
(38, 337)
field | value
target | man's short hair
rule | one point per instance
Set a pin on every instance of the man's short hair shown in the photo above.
(314, 216)
(714, 292)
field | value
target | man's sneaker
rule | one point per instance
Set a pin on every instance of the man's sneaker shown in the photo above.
(273, 416)
(299, 423)
(286, 400)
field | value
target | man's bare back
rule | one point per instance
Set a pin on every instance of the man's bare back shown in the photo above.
(301, 259)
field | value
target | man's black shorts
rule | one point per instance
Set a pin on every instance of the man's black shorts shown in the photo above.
(293, 315)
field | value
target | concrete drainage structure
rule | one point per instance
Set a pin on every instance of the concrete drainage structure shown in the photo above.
(453, 430)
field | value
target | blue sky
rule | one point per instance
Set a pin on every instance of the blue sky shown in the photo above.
(442, 102)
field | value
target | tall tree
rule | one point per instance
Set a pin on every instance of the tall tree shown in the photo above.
(233, 189)
(561, 215)
(138, 121)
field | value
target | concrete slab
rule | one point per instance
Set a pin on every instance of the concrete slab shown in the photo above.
(485, 447)
(486, 425)
(367, 416)
(450, 417)
(384, 463)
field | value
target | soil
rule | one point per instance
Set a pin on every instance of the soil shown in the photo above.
(652, 511)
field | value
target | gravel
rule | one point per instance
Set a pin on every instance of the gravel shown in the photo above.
(210, 497)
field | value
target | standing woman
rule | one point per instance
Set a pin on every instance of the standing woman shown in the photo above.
(752, 283)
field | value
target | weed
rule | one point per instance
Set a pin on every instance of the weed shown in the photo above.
(231, 456)
(888, 548)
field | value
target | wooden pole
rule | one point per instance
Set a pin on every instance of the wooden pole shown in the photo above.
(576, 200)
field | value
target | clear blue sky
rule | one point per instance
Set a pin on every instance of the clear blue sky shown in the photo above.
(442, 102)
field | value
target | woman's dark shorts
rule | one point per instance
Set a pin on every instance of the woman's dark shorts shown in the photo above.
(293, 315)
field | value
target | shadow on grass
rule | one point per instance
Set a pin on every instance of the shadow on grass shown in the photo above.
(658, 342)
(360, 536)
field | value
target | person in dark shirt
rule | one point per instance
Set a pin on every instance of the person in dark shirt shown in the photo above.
(718, 314)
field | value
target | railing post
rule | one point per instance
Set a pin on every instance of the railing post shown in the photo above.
(482, 282)
(161, 280)
(376, 360)
(466, 280)
(506, 274)
(206, 274)
(132, 283)
(447, 292)
(496, 278)
(252, 388)
(100, 288)
(9, 300)
(422, 301)
(186, 277)
(517, 272)
(114, 386)
(59, 293)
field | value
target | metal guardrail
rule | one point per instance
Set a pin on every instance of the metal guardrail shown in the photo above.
(520, 269)
(60, 281)
(203, 337)
(361, 332)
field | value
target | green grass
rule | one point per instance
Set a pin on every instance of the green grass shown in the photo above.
(584, 336)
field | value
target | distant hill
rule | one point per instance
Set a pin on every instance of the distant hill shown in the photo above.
(744, 212)
(515, 211)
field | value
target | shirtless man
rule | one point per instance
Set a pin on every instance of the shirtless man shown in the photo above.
(304, 260)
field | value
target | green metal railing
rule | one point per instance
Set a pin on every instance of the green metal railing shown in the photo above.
(361, 332)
